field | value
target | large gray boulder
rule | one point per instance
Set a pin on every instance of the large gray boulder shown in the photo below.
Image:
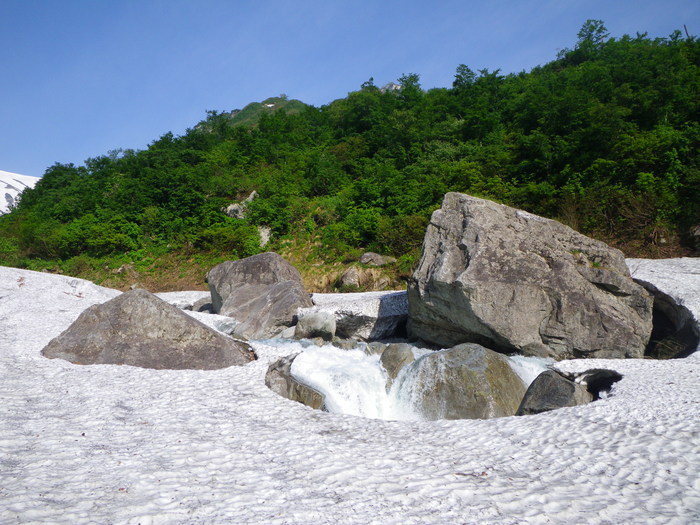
(263, 293)
(136, 328)
(514, 281)
(464, 382)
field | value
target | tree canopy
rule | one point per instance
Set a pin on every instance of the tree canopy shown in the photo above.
(605, 138)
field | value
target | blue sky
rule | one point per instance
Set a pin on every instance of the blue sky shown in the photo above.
(79, 78)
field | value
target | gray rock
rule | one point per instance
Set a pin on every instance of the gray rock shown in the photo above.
(464, 382)
(549, 391)
(203, 305)
(350, 278)
(136, 328)
(394, 358)
(375, 347)
(279, 379)
(315, 324)
(374, 259)
(514, 281)
(263, 293)
(345, 344)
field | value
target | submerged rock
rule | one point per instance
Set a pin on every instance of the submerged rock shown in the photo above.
(394, 358)
(136, 328)
(464, 382)
(279, 379)
(263, 293)
(514, 281)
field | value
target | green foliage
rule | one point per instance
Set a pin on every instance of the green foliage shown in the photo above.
(604, 137)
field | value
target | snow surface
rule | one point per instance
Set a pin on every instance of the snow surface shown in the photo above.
(125, 445)
(11, 185)
(677, 278)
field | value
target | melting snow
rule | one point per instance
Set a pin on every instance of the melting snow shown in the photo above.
(124, 445)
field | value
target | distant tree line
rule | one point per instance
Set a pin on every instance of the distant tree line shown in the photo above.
(605, 138)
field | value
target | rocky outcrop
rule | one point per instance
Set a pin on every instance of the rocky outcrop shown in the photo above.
(675, 285)
(315, 324)
(367, 316)
(279, 379)
(549, 391)
(464, 382)
(514, 281)
(374, 259)
(136, 328)
(238, 210)
(263, 293)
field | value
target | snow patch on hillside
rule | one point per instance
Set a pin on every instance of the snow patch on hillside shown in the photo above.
(11, 185)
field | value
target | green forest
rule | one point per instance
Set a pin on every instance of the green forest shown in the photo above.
(604, 138)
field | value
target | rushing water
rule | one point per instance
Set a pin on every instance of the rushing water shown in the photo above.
(354, 382)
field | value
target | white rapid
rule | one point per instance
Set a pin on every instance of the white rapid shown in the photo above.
(354, 382)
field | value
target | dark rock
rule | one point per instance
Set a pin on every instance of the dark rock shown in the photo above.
(464, 382)
(279, 379)
(597, 381)
(549, 391)
(263, 293)
(513, 281)
(203, 305)
(675, 286)
(136, 328)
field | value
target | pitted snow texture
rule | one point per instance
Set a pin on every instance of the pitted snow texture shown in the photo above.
(124, 445)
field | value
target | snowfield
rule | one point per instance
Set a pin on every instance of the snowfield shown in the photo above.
(109, 444)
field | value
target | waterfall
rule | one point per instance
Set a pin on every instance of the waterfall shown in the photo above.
(354, 381)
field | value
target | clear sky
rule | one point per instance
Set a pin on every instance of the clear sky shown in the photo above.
(79, 78)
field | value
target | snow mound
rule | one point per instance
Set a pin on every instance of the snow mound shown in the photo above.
(126, 445)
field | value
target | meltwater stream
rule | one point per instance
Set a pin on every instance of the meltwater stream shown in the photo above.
(354, 382)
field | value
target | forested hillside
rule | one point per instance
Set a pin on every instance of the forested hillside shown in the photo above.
(604, 138)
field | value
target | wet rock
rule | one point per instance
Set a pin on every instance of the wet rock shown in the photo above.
(464, 382)
(394, 358)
